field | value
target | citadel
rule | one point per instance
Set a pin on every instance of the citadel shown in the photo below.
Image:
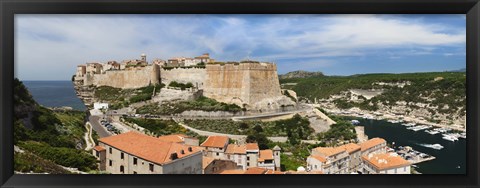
(249, 84)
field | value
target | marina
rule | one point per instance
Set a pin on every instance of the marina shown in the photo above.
(439, 156)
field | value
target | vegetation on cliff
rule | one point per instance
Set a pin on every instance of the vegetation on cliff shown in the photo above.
(296, 128)
(300, 74)
(28, 162)
(444, 90)
(41, 132)
(202, 104)
(119, 98)
(159, 127)
(182, 86)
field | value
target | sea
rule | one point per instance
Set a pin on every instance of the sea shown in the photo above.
(54, 94)
(449, 160)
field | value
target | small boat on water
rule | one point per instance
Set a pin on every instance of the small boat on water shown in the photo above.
(355, 122)
(449, 138)
(432, 132)
(433, 146)
(463, 135)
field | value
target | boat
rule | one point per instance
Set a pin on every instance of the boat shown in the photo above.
(463, 135)
(432, 132)
(449, 138)
(433, 146)
(355, 122)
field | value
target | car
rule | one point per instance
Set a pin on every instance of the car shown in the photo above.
(110, 129)
(109, 125)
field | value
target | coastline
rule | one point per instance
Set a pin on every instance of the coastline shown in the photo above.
(406, 119)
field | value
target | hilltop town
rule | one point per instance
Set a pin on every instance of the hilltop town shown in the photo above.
(251, 85)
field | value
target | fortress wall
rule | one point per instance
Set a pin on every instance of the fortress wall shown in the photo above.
(246, 83)
(228, 83)
(266, 83)
(127, 79)
(192, 75)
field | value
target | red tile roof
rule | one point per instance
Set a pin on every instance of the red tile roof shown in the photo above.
(215, 141)
(236, 149)
(329, 151)
(206, 161)
(256, 170)
(372, 143)
(386, 161)
(148, 147)
(319, 158)
(265, 155)
(350, 148)
(252, 146)
(99, 148)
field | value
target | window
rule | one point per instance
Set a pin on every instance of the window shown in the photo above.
(98, 153)
(151, 167)
(134, 161)
(217, 153)
(110, 162)
(248, 158)
(248, 164)
(121, 155)
(276, 153)
(110, 150)
(122, 169)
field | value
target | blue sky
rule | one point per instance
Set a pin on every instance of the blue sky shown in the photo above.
(48, 47)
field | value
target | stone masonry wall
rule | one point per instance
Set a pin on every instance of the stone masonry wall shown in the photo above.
(124, 79)
(184, 75)
(251, 85)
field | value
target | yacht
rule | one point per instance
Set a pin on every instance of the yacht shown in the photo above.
(355, 122)
(449, 138)
(432, 132)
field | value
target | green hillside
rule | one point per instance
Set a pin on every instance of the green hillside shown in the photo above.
(435, 88)
(47, 137)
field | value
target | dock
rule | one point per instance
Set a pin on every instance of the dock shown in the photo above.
(413, 156)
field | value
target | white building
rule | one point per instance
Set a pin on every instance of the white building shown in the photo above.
(99, 106)
(136, 153)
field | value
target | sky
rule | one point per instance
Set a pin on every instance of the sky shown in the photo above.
(49, 47)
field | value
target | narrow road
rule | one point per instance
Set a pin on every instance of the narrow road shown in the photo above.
(97, 127)
(88, 137)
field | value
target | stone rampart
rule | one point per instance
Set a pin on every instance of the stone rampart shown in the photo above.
(196, 76)
(126, 79)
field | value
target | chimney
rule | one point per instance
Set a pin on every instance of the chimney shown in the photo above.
(182, 151)
(190, 149)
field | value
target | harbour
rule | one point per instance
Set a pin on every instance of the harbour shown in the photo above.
(444, 156)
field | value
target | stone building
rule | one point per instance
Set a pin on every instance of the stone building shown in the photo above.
(215, 146)
(355, 160)
(374, 146)
(135, 153)
(386, 163)
(244, 155)
(216, 166)
(329, 160)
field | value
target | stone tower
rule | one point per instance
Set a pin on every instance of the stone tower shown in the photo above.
(155, 77)
(276, 157)
(144, 58)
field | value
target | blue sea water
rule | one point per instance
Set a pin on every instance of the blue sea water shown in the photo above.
(54, 94)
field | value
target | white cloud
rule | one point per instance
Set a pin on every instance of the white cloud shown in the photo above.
(60, 42)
